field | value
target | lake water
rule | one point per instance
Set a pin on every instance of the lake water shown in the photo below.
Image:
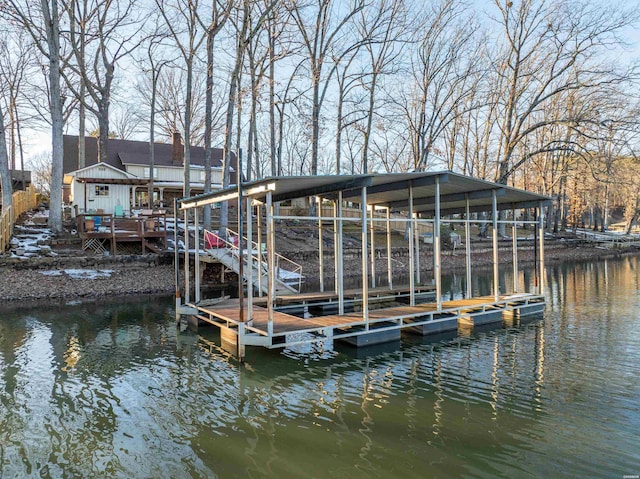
(115, 390)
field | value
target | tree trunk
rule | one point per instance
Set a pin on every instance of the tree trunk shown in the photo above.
(4, 167)
(57, 121)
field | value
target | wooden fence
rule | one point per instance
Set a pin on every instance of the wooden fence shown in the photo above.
(22, 201)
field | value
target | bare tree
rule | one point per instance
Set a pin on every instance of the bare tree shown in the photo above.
(42, 23)
(551, 49)
(323, 31)
(109, 33)
(7, 190)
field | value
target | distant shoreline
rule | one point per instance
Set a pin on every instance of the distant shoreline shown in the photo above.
(23, 282)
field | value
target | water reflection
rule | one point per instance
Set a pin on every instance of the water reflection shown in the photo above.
(115, 390)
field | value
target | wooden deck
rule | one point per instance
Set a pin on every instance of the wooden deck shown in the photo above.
(227, 314)
(112, 231)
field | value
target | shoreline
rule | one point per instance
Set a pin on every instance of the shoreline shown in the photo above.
(65, 278)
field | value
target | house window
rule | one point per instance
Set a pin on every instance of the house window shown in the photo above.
(147, 173)
(102, 190)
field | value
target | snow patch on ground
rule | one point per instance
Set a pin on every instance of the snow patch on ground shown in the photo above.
(80, 273)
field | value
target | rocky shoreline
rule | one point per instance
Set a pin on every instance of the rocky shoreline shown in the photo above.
(68, 277)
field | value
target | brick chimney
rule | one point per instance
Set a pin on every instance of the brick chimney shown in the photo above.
(176, 152)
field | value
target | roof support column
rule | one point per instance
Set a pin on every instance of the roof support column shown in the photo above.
(365, 259)
(541, 235)
(412, 276)
(494, 215)
(196, 225)
(250, 261)
(271, 272)
(187, 257)
(259, 227)
(373, 249)
(176, 256)
(416, 245)
(339, 260)
(389, 265)
(467, 235)
(320, 244)
(514, 233)
(437, 270)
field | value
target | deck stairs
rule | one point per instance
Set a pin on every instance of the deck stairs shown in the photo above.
(288, 277)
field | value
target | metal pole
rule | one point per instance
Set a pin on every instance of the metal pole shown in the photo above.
(436, 247)
(196, 224)
(467, 234)
(373, 250)
(336, 256)
(494, 212)
(240, 239)
(320, 244)
(389, 265)
(259, 227)
(365, 254)
(416, 245)
(187, 257)
(176, 256)
(541, 233)
(412, 278)
(271, 273)
(340, 258)
(249, 261)
(514, 233)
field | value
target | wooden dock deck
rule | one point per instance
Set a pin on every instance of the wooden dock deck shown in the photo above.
(226, 315)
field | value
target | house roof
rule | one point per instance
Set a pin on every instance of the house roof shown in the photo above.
(123, 152)
(386, 190)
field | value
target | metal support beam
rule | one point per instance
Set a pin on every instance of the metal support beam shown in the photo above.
(467, 234)
(412, 276)
(514, 234)
(389, 265)
(187, 286)
(271, 273)
(320, 244)
(196, 225)
(259, 228)
(340, 268)
(416, 245)
(176, 258)
(541, 234)
(365, 259)
(373, 249)
(496, 279)
(437, 271)
(249, 317)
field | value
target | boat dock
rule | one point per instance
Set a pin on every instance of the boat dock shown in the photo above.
(272, 312)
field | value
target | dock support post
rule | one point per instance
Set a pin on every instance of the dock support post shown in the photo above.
(240, 342)
(187, 258)
(196, 225)
(412, 277)
(541, 234)
(259, 228)
(271, 273)
(467, 234)
(250, 260)
(176, 258)
(339, 259)
(365, 259)
(335, 246)
(389, 264)
(514, 233)
(320, 244)
(494, 214)
(436, 248)
(373, 249)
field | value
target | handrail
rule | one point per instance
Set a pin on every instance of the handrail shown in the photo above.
(293, 267)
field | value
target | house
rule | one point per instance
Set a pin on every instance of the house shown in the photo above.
(123, 178)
